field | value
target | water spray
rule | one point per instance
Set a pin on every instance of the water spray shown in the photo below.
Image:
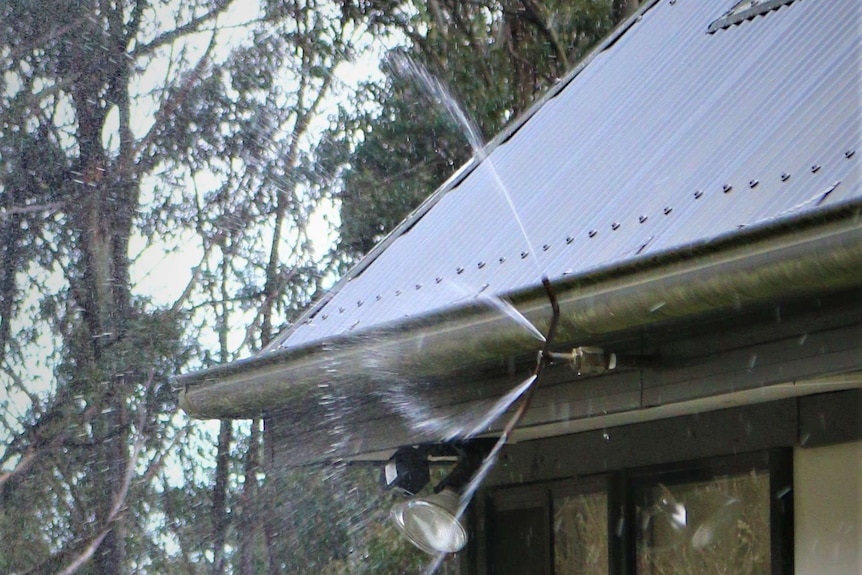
(545, 356)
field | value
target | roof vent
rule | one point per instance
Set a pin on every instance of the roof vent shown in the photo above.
(745, 10)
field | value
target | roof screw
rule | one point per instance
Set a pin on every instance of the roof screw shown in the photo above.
(341, 310)
(785, 176)
(570, 239)
(397, 292)
(726, 188)
(698, 194)
(481, 265)
(459, 270)
(359, 303)
(615, 226)
(667, 210)
(546, 247)
(849, 154)
(378, 297)
(502, 259)
(524, 255)
(484, 287)
(418, 286)
(438, 279)
(815, 168)
(642, 219)
(753, 183)
(325, 316)
(672, 2)
(354, 324)
(593, 233)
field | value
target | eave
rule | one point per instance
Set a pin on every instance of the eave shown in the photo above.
(813, 253)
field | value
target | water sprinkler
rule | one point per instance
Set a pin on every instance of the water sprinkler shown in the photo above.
(588, 360)
(433, 523)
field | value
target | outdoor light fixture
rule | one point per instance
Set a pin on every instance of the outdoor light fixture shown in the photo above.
(407, 471)
(431, 523)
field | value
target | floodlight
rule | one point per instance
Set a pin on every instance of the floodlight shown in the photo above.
(431, 523)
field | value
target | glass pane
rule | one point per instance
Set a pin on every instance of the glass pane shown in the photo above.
(581, 534)
(714, 527)
(521, 542)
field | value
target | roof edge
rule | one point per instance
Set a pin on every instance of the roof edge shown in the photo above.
(781, 259)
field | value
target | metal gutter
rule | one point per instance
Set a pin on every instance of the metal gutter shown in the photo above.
(808, 253)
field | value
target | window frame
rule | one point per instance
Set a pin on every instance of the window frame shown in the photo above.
(620, 487)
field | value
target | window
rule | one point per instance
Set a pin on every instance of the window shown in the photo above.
(718, 525)
(580, 532)
(712, 516)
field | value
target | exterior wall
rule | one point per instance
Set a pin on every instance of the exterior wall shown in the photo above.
(828, 509)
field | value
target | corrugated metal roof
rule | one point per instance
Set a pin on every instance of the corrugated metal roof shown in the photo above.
(670, 137)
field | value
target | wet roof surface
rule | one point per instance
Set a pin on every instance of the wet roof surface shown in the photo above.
(671, 136)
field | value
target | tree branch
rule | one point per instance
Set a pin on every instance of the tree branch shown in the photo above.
(193, 25)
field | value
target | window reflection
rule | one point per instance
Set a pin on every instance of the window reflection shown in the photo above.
(708, 527)
(580, 534)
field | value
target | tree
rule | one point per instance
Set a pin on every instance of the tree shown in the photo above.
(131, 121)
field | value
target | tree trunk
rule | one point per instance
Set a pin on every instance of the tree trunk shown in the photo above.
(250, 515)
(219, 511)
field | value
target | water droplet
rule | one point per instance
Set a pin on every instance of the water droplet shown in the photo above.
(606, 436)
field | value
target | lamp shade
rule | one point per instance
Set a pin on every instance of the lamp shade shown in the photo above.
(431, 523)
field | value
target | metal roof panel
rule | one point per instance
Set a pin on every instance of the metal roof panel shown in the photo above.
(669, 137)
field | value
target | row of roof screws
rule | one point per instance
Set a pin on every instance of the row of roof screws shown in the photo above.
(726, 188)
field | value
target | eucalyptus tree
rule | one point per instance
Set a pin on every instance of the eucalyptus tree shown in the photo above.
(176, 126)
